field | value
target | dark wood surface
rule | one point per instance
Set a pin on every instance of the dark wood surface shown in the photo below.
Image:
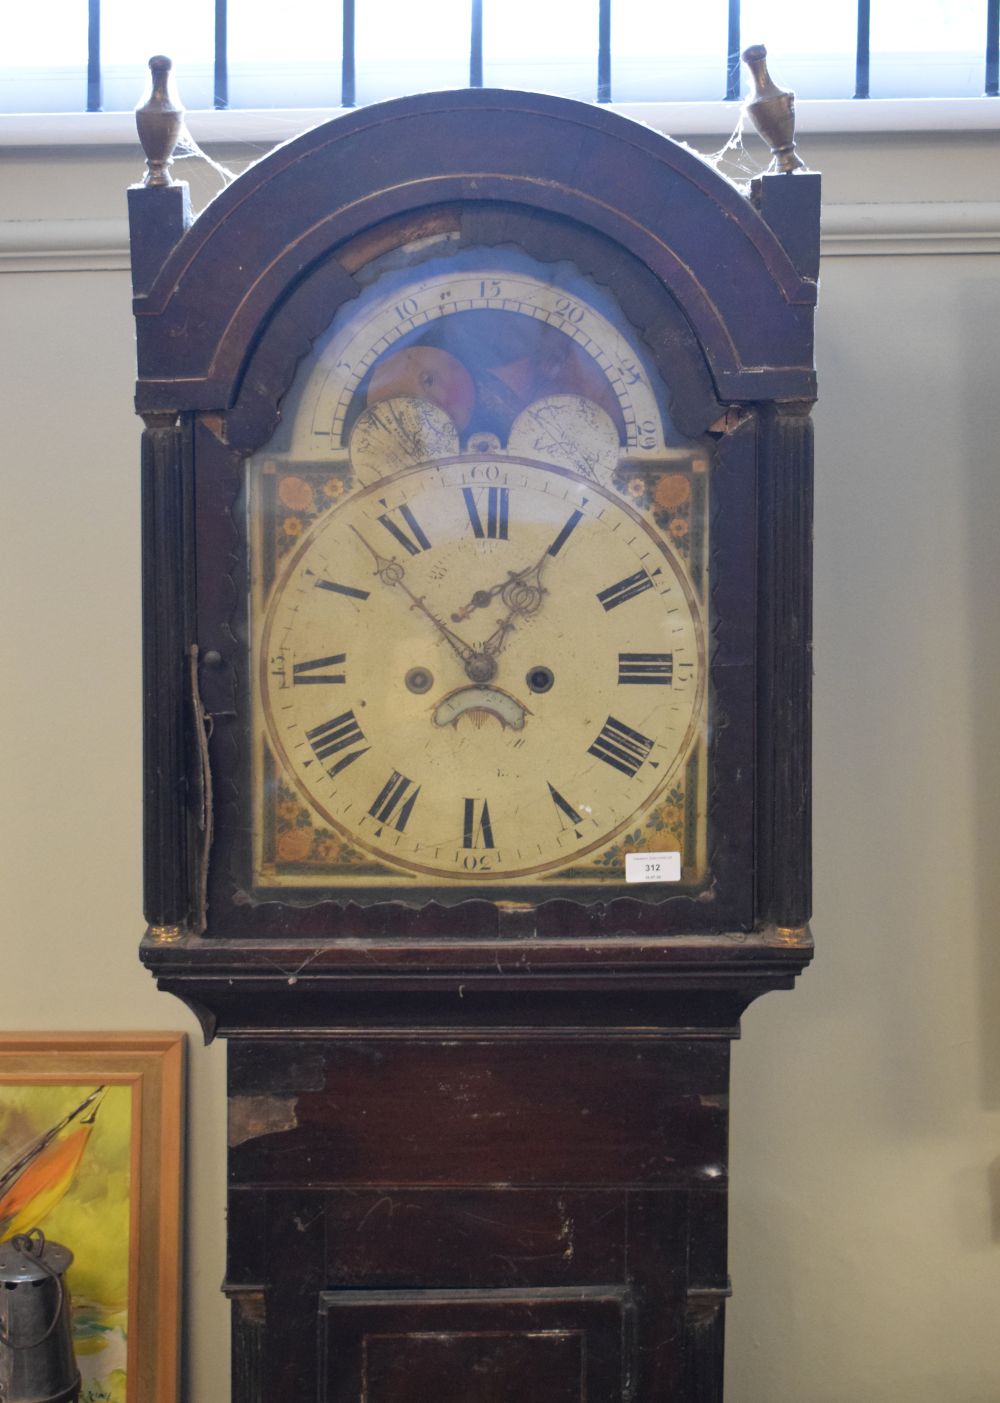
(483, 1191)
(533, 1345)
(170, 861)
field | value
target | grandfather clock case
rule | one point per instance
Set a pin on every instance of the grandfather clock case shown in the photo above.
(473, 419)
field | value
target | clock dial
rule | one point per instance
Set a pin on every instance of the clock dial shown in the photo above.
(480, 574)
(481, 668)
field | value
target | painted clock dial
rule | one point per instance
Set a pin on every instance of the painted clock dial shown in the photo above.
(479, 606)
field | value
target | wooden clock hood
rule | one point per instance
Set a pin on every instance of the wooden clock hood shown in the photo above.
(225, 306)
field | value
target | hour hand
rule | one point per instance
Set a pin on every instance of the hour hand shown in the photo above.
(521, 591)
(522, 594)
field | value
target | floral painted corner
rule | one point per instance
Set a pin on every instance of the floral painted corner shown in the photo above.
(667, 498)
(663, 831)
(298, 841)
(300, 499)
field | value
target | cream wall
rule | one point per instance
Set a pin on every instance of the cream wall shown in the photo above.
(866, 1116)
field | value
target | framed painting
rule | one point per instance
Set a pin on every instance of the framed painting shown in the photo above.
(90, 1153)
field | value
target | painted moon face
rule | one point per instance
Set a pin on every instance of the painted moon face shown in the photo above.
(424, 372)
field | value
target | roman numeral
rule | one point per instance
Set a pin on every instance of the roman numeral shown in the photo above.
(349, 590)
(497, 504)
(477, 831)
(565, 533)
(646, 669)
(621, 747)
(331, 737)
(303, 673)
(393, 804)
(623, 590)
(564, 808)
(413, 545)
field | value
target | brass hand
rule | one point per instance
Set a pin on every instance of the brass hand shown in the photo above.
(483, 597)
(478, 666)
(522, 594)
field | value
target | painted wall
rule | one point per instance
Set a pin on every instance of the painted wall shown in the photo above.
(866, 1117)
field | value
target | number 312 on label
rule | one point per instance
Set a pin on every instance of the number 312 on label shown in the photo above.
(652, 867)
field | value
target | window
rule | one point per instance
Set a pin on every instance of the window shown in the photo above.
(76, 55)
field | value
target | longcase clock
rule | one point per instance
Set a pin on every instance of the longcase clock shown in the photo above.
(476, 479)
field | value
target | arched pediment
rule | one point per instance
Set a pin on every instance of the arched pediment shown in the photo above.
(748, 305)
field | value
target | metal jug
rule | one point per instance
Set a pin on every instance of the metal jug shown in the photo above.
(37, 1364)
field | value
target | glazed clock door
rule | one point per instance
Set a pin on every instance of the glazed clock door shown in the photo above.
(488, 613)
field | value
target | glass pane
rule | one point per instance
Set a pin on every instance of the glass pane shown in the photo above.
(546, 45)
(294, 64)
(410, 48)
(130, 33)
(936, 48)
(669, 52)
(43, 62)
(811, 49)
(574, 483)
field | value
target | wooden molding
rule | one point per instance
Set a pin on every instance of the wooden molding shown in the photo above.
(849, 230)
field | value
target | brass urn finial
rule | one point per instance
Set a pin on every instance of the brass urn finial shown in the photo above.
(159, 120)
(772, 111)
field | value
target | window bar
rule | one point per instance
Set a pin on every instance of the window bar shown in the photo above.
(993, 48)
(476, 46)
(604, 51)
(347, 84)
(221, 56)
(733, 53)
(95, 96)
(862, 81)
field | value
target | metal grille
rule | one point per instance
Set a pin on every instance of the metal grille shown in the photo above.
(597, 19)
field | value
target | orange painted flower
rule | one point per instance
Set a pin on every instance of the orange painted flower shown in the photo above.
(294, 845)
(296, 493)
(292, 526)
(333, 487)
(288, 809)
(678, 528)
(671, 490)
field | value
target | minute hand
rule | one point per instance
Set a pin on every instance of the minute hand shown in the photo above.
(391, 573)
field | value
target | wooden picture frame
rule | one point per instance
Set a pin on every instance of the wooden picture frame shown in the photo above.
(124, 1171)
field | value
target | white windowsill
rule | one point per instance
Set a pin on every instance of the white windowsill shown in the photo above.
(679, 119)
